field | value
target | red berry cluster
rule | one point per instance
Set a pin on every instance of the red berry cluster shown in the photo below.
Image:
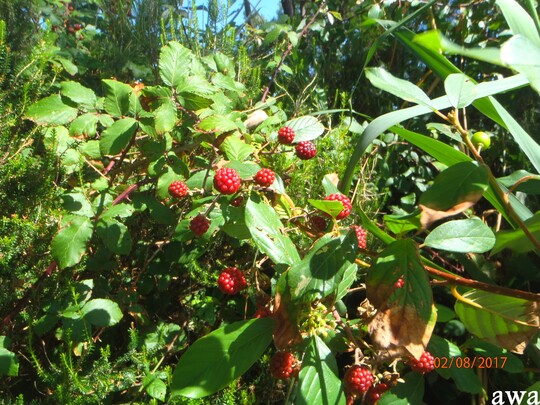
(344, 200)
(424, 364)
(283, 365)
(361, 235)
(357, 379)
(237, 202)
(231, 281)
(178, 189)
(375, 392)
(226, 180)
(265, 177)
(305, 150)
(286, 135)
(199, 225)
(399, 283)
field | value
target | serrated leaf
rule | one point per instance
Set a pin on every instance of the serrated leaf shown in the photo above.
(217, 359)
(165, 118)
(269, 234)
(115, 235)
(84, 125)
(405, 317)
(453, 191)
(318, 381)
(174, 63)
(495, 355)
(306, 128)
(69, 244)
(322, 271)
(245, 169)
(217, 123)
(79, 94)
(101, 312)
(463, 235)
(51, 111)
(117, 96)
(236, 149)
(507, 322)
(115, 138)
(77, 203)
(403, 89)
(400, 224)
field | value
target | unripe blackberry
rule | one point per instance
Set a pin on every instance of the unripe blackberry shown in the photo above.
(199, 225)
(286, 135)
(178, 189)
(357, 379)
(424, 364)
(305, 150)
(344, 200)
(231, 281)
(265, 177)
(283, 365)
(226, 180)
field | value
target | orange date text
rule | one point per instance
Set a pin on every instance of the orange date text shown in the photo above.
(470, 362)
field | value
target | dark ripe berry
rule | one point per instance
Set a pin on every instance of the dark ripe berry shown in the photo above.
(262, 312)
(305, 150)
(178, 189)
(357, 379)
(237, 202)
(283, 365)
(226, 180)
(199, 225)
(77, 27)
(424, 364)
(375, 392)
(399, 283)
(318, 223)
(361, 235)
(265, 177)
(231, 281)
(344, 200)
(286, 135)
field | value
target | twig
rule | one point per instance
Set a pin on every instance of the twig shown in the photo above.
(289, 50)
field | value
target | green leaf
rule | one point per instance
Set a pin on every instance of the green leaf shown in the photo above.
(117, 95)
(332, 208)
(499, 319)
(165, 117)
(194, 102)
(174, 63)
(84, 125)
(217, 359)
(532, 394)
(522, 55)
(495, 356)
(318, 381)
(529, 182)
(217, 123)
(101, 312)
(236, 149)
(400, 224)
(9, 363)
(77, 203)
(516, 240)
(322, 271)
(269, 234)
(115, 235)
(328, 184)
(460, 89)
(51, 111)
(69, 244)
(115, 138)
(90, 149)
(160, 213)
(154, 387)
(405, 315)
(463, 235)
(408, 392)
(519, 21)
(403, 89)
(245, 169)
(465, 378)
(79, 94)
(453, 191)
(121, 210)
(306, 128)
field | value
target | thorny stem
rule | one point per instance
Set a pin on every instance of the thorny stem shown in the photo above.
(289, 50)
(454, 120)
